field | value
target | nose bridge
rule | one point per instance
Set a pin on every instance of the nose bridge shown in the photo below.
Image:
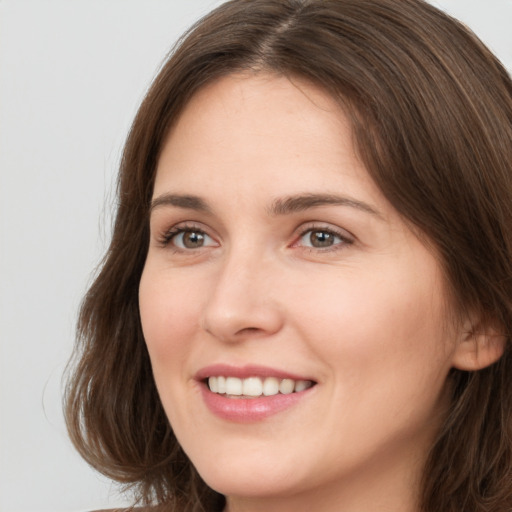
(241, 301)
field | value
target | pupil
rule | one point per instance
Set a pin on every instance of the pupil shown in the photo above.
(321, 239)
(192, 239)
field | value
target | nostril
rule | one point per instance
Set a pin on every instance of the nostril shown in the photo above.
(248, 330)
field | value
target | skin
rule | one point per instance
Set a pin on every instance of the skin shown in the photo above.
(366, 317)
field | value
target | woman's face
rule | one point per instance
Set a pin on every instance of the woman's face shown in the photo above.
(278, 269)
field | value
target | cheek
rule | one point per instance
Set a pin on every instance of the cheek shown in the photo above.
(169, 317)
(386, 348)
(368, 322)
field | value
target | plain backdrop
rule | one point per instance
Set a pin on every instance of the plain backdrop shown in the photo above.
(72, 73)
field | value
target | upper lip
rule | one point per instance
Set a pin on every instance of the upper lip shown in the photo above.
(243, 372)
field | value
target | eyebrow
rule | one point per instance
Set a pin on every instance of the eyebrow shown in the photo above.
(299, 203)
(188, 202)
(281, 206)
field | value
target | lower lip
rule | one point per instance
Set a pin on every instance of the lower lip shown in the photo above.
(249, 410)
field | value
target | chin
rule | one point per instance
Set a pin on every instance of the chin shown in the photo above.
(251, 479)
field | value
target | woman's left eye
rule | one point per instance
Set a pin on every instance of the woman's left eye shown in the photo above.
(322, 239)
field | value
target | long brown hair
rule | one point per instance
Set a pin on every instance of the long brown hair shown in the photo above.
(431, 113)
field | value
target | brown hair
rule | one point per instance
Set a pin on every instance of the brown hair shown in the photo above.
(431, 112)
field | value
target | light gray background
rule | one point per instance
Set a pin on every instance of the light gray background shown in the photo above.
(72, 73)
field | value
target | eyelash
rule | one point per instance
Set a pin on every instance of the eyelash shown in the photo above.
(167, 237)
(344, 238)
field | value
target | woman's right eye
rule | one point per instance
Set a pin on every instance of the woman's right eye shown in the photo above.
(187, 239)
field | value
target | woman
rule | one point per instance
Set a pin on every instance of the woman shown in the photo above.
(306, 304)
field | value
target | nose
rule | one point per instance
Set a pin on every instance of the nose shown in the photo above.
(243, 300)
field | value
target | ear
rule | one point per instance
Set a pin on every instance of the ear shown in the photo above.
(481, 344)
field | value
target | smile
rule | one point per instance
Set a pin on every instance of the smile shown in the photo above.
(254, 387)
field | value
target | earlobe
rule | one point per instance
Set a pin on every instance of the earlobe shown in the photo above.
(479, 347)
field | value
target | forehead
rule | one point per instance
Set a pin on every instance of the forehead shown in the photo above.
(257, 129)
(249, 100)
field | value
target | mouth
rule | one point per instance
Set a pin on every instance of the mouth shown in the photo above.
(249, 394)
(255, 387)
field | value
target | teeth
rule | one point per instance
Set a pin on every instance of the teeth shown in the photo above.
(255, 386)
(252, 386)
(213, 384)
(221, 384)
(301, 385)
(270, 386)
(233, 386)
(286, 387)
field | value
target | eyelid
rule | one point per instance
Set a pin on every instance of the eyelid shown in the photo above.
(164, 237)
(345, 236)
(177, 239)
